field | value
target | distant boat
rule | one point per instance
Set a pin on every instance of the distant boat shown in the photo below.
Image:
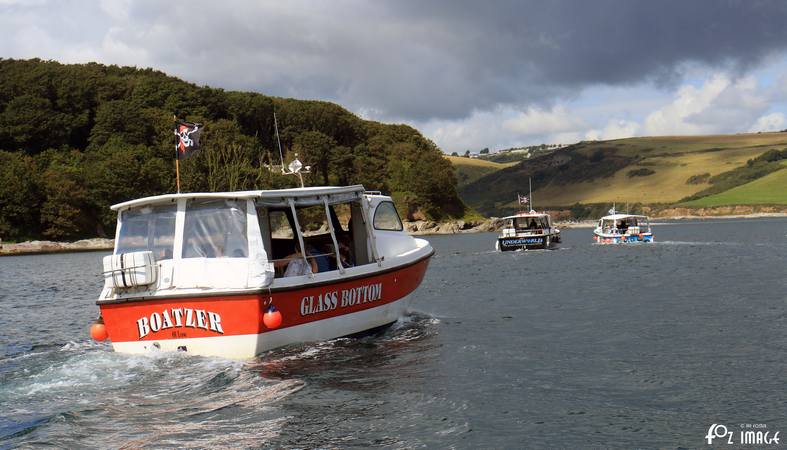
(528, 231)
(617, 228)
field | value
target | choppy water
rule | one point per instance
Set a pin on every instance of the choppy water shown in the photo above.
(586, 346)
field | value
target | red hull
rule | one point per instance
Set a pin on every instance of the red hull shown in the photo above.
(228, 315)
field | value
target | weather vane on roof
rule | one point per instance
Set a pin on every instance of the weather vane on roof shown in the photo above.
(295, 167)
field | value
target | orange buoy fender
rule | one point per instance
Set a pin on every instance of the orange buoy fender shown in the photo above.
(272, 318)
(98, 330)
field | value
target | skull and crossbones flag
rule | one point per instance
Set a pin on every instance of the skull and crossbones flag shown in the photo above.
(188, 138)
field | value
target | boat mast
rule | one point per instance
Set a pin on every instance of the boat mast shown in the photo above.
(276, 127)
(530, 185)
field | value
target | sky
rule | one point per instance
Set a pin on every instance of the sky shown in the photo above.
(468, 74)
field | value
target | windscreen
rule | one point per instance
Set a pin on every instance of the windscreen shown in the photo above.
(148, 228)
(215, 229)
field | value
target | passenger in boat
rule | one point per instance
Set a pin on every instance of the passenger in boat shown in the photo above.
(296, 266)
(532, 225)
(319, 258)
(344, 254)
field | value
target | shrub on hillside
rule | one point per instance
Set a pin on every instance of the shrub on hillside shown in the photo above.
(698, 179)
(642, 172)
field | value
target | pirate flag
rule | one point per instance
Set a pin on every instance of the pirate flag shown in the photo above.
(188, 138)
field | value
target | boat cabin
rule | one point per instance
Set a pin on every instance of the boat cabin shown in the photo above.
(253, 239)
(527, 224)
(623, 224)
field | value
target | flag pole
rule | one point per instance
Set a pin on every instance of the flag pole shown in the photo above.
(177, 155)
(530, 186)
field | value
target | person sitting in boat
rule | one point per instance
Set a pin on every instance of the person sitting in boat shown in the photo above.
(296, 265)
(320, 258)
(344, 254)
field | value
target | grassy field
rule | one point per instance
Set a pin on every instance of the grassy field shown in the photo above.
(666, 185)
(662, 145)
(673, 160)
(768, 190)
(471, 169)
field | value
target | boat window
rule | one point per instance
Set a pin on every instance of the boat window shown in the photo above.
(317, 239)
(148, 228)
(215, 229)
(530, 223)
(312, 220)
(280, 225)
(386, 217)
(342, 214)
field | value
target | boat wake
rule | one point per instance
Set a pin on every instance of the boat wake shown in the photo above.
(306, 360)
(700, 243)
(151, 399)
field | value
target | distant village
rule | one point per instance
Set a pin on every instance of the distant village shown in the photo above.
(518, 152)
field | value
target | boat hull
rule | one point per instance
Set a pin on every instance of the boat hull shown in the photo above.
(623, 239)
(544, 242)
(232, 325)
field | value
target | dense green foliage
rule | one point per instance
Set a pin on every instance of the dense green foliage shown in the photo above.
(75, 139)
(755, 168)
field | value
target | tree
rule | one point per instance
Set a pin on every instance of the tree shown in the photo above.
(123, 119)
(314, 148)
(485, 151)
(341, 165)
(19, 198)
(454, 154)
(79, 138)
(467, 154)
(118, 172)
(29, 123)
(65, 212)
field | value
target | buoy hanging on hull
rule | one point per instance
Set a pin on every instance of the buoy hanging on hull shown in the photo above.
(98, 330)
(272, 318)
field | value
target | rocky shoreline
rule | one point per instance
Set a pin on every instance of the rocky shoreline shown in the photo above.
(415, 228)
(40, 247)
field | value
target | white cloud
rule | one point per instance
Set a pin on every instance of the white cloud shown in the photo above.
(720, 105)
(539, 122)
(615, 129)
(770, 122)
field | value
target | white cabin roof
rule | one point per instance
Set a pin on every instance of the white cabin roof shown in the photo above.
(526, 215)
(306, 195)
(623, 216)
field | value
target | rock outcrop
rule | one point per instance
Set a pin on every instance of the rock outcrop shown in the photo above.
(31, 247)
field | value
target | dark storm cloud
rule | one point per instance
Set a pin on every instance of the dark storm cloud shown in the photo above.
(541, 48)
(421, 60)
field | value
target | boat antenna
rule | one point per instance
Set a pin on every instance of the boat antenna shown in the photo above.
(296, 167)
(278, 141)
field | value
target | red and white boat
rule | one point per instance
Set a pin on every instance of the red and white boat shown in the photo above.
(205, 273)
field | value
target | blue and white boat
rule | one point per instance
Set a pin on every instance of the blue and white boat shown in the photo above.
(619, 228)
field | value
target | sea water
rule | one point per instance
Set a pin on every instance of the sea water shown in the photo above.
(644, 345)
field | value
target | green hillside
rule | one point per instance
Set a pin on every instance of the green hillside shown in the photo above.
(768, 190)
(75, 139)
(471, 169)
(648, 170)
